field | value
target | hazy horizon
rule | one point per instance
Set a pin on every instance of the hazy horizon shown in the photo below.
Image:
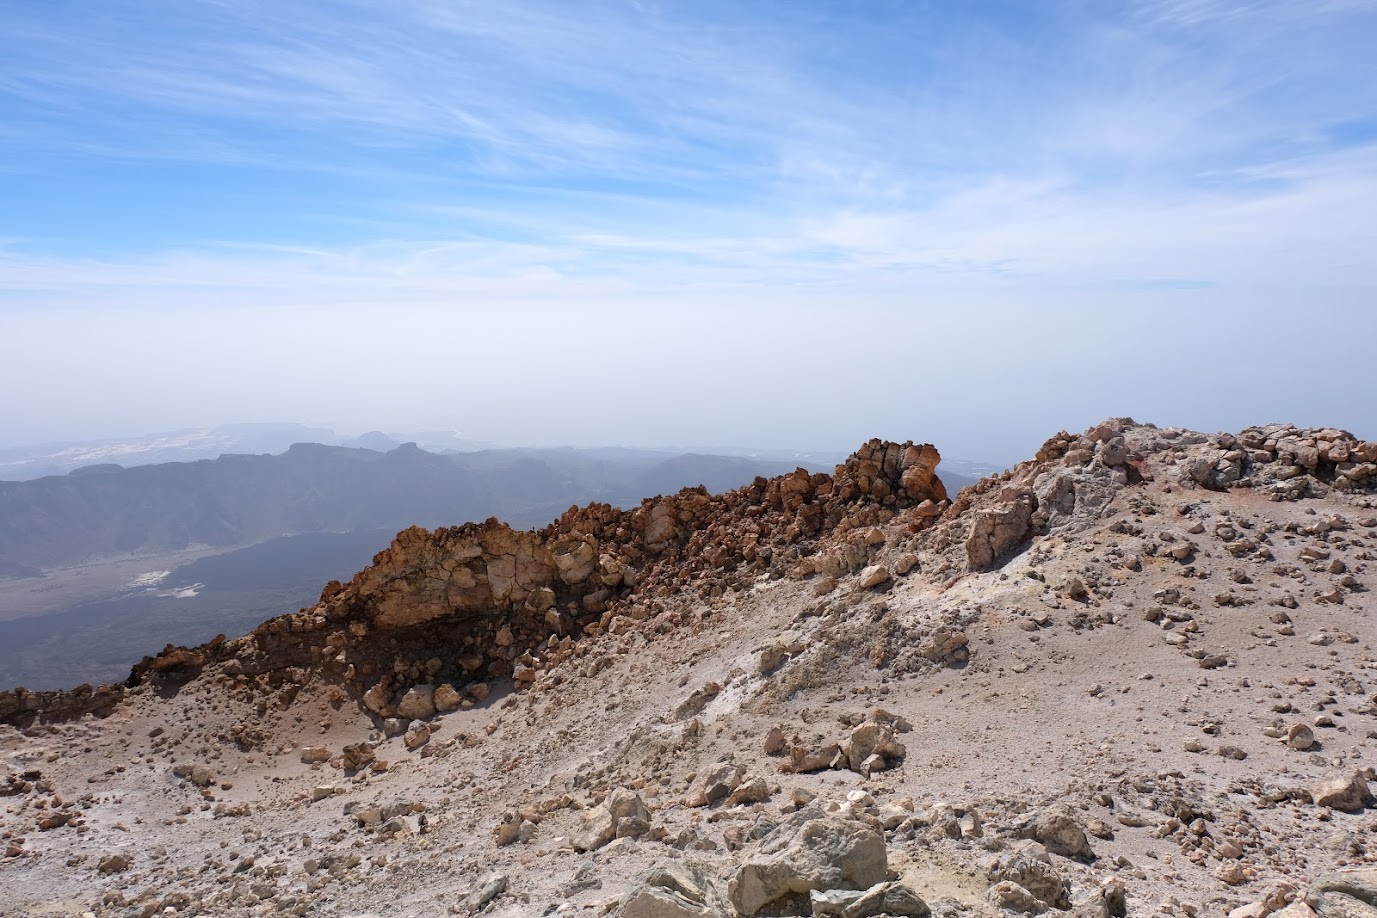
(601, 223)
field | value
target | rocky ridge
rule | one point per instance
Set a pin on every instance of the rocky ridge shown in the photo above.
(1130, 675)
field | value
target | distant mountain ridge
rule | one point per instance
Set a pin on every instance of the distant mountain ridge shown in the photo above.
(23, 463)
(238, 500)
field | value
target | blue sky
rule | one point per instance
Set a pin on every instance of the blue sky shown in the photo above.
(214, 168)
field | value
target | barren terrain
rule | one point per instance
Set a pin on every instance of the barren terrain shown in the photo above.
(1131, 676)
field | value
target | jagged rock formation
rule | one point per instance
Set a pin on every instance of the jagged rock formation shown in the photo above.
(497, 600)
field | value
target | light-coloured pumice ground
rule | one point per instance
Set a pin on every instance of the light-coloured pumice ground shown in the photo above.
(1132, 676)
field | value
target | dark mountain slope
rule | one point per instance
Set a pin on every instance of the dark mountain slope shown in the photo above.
(239, 500)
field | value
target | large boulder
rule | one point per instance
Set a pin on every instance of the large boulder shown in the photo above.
(1349, 794)
(810, 851)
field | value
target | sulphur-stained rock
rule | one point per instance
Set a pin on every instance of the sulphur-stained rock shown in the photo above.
(755, 790)
(315, 755)
(174, 658)
(541, 599)
(893, 899)
(1010, 896)
(661, 525)
(1349, 794)
(417, 736)
(870, 740)
(488, 888)
(804, 759)
(674, 890)
(576, 560)
(507, 831)
(947, 646)
(1296, 910)
(776, 742)
(54, 821)
(199, 775)
(1108, 900)
(1300, 737)
(809, 851)
(891, 473)
(115, 863)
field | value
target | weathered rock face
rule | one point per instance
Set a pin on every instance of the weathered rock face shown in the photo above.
(996, 531)
(1059, 832)
(891, 473)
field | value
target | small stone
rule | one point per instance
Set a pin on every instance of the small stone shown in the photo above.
(315, 755)
(775, 741)
(1300, 737)
(508, 831)
(874, 576)
(114, 863)
(489, 888)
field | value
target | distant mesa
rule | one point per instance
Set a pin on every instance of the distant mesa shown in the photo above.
(374, 440)
(101, 469)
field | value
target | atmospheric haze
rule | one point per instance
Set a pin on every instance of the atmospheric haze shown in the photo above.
(687, 224)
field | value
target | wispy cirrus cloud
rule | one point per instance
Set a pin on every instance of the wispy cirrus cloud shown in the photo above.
(425, 147)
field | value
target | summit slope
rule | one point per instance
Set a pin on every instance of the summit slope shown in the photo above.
(1131, 675)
